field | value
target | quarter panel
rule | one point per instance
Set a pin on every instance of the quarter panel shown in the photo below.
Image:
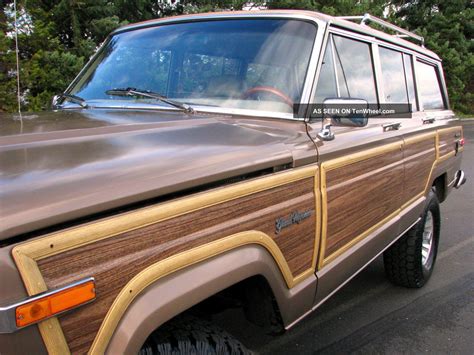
(447, 141)
(420, 154)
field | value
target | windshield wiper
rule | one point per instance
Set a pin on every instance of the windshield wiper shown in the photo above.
(153, 95)
(72, 98)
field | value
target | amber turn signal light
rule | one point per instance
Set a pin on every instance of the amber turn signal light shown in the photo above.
(55, 303)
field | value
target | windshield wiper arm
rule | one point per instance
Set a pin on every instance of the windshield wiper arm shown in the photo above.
(72, 98)
(153, 95)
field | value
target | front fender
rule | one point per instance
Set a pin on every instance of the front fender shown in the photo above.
(179, 291)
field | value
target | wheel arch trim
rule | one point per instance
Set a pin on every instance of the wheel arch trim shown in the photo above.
(181, 261)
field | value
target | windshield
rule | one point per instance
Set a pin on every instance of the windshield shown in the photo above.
(257, 64)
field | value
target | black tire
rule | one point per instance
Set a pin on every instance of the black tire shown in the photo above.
(193, 336)
(405, 264)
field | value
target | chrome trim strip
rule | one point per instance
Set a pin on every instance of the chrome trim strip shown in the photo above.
(334, 63)
(245, 112)
(316, 58)
(7, 313)
(416, 73)
(378, 76)
(350, 278)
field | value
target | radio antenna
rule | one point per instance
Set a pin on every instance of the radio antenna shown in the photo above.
(17, 61)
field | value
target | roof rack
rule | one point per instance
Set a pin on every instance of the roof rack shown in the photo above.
(400, 32)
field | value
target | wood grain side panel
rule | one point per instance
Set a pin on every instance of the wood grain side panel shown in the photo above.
(114, 261)
(360, 195)
(419, 159)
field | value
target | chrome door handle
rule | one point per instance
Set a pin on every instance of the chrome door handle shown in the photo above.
(392, 126)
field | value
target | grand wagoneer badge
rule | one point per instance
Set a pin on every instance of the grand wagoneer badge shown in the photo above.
(294, 218)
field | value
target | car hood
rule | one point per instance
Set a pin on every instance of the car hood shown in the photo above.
(60, 166)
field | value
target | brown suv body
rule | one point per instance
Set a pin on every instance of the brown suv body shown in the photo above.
(164, 210)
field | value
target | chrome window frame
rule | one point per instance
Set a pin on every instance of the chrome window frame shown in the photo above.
(415, 87)
(378, 73)
(334, 64)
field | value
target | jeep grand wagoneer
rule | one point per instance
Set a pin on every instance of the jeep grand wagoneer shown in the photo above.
(265, 156)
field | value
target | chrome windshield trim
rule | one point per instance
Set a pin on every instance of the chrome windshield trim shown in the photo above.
(217, 17)
(7, 313)
(316, 58)
(246, 112)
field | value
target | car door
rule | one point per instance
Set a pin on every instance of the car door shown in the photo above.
(362, 169)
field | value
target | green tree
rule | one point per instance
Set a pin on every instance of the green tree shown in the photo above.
(63, 34)
(448, 28)
(333, 7)
(8, 89)
(49, 73)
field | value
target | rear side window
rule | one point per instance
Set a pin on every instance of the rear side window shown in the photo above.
(394, 84)
(429, 87)
(397, 77)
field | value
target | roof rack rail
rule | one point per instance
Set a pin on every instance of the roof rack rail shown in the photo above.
(400, 32)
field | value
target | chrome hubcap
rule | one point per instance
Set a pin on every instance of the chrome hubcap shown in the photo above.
(427, 244)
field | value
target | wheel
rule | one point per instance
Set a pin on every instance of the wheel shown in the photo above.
(409, 262)
(190, 335)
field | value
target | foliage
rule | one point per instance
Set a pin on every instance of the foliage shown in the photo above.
(333, 7)
(49, 72)
(8, 101)
(448, 27)
(65, 33)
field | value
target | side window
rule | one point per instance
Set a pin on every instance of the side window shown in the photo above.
(397, 77)
(326, 87)
(393, 75)
(354, 69)
(429, 87)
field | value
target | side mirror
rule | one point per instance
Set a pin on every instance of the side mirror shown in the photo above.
(343, 112)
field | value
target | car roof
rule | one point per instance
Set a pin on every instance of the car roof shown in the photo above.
(331, 20)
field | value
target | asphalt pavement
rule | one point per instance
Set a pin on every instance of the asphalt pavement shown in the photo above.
(371, 316)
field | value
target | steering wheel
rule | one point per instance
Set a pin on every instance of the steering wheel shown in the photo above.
(270, 90)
